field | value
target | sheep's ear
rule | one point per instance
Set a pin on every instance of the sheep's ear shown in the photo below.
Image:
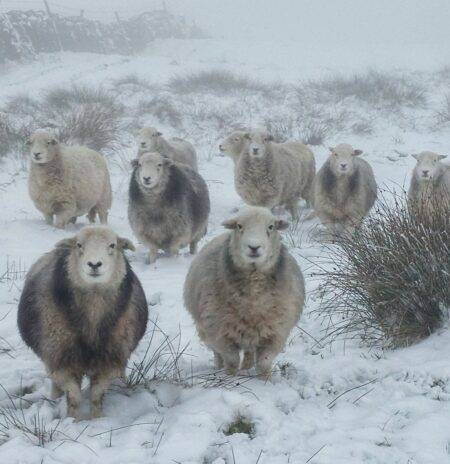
(247, 136)
(167, 161)
(53, 141)
(159, 134)
(230, 224)
(357, 152)
(281, 225)
(134, 163)
(441, 157)
(269, 138)
(415, 156)
(66, 243)
(28, 142)
(125, 244)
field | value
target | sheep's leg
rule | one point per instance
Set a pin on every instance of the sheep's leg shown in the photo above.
(231, 360)
(92, 214)
(48, 218)
(292, 207)
(103, 216)
(193, 248)
(264, 358)
(218, 360)
(100, 383)
(174, 250)
(70, 384)
(249, 360)
(55, 392)
(152, 255)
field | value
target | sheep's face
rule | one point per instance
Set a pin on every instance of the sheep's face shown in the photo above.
(148, 139)
(342, 159)
(234, 144)
(255, 239)
(96, 255)
(428, 165)
(43, 147)
(257, 143)
(150, 169)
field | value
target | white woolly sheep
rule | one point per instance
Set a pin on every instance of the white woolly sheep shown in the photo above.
(344, 190)
(179, 150)
(83, 312)
(245, 292)
(430, 184)
(67, 182)
(234, 145)
(273, 174)
(168, 204)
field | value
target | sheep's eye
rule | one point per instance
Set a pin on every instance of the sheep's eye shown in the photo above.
(113, 245)
(239, 226)
(159, 165)
(271, 227)
(236, 139)
(79, 245)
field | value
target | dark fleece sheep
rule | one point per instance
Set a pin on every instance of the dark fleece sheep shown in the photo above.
(168, 204)
(83, 312)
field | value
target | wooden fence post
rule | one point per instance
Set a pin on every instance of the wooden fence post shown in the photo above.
(52, 19)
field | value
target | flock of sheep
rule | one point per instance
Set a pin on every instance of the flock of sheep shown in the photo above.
(83, 310)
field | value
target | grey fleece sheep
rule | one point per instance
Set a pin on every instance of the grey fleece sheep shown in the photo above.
(83, 312)
(271, 174)
(430, 184)
(245, 292)
(67, 182)
(168, 204)
(344, 190)
(179, 150)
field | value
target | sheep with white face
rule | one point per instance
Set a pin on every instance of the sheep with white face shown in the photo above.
(245, 292)
(429, 190)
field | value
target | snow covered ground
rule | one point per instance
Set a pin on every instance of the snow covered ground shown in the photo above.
(338, 403)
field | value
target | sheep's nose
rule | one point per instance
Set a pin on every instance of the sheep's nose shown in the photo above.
(254, 249)
(143, 144)
(425, 173)
(94, 266)
(221, 147)
(147, 180)
(255, 150)
(37, 155)
(343, 165)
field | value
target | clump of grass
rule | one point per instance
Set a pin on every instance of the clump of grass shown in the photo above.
(132, 83)
(388, 284)
(240, 424)
(219, 82)
(371, 87)
(443, 115)
(163, 108)
(161, 361)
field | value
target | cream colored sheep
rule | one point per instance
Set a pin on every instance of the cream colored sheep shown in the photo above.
(245, 292)
(273, 174)
(181, 151)
(430, 184)
(344, 190)
(83, 312)
(234, 145)
(67, 182)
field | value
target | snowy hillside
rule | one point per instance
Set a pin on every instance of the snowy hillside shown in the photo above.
(327, 403)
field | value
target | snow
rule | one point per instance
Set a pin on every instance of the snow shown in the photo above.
(342, 401)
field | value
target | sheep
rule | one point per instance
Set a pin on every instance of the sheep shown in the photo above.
(181, 151)
(67, 182)
(245, 292)
(168, 204)
(234, 145)
(83, 312)
(273, 174)
(344, 190)
(429, 189)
